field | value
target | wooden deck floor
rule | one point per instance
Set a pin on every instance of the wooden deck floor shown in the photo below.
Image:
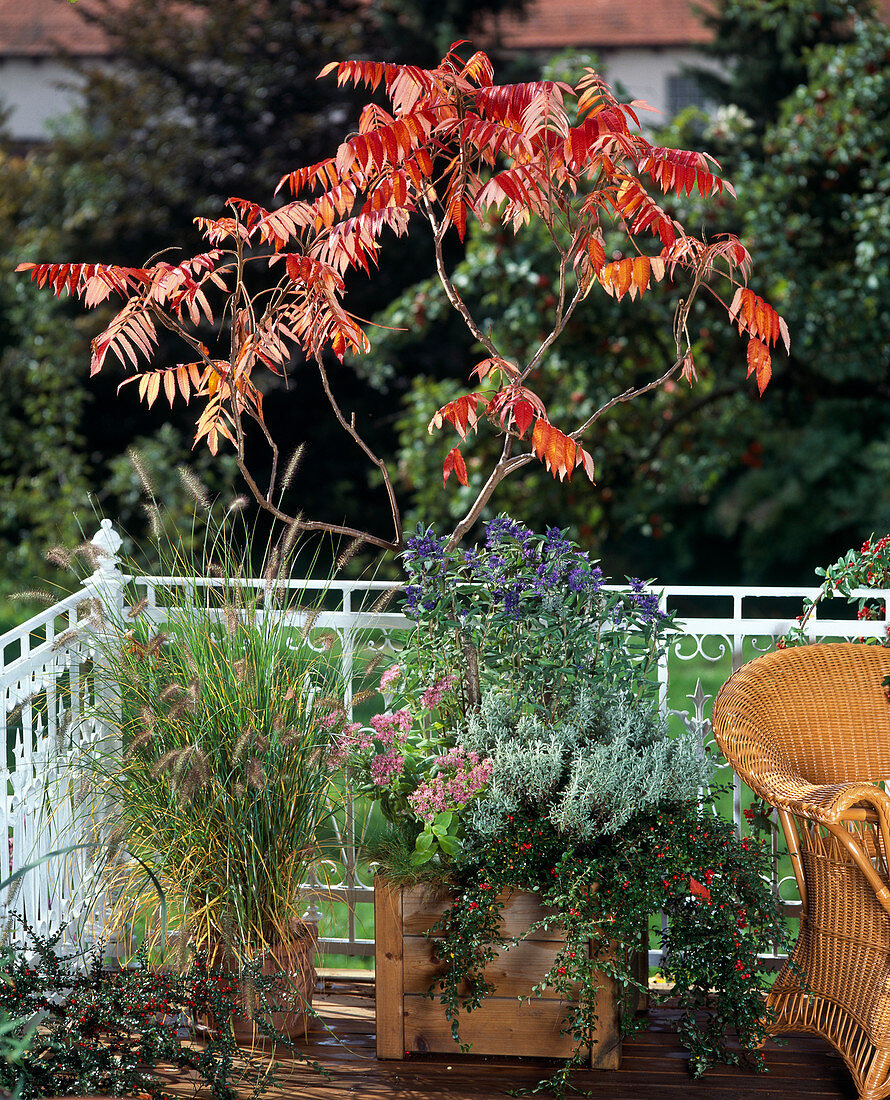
(654, 1066)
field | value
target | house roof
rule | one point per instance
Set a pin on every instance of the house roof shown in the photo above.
(555, 24)
(36, 28)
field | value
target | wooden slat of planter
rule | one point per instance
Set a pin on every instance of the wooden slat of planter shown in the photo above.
(423, 906)
(513, 972)
(502, 1025)
(499, 1025)
(389, 971)
(606, 1051)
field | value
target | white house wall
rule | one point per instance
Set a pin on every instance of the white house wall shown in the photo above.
(38, 91)
(34, 92)
(643, 74)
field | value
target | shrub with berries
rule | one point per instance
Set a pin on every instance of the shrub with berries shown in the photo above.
(103, 1031)
(865, 568)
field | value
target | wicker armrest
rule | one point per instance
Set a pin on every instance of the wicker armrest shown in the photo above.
(828, 804)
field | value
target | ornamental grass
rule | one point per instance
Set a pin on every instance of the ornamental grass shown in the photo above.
(212, 780)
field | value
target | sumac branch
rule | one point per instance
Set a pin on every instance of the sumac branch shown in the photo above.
(450, 147)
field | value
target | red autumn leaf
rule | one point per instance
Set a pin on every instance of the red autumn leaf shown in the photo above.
(597, 252)
(585, 459)
(523, 415)
(493, 365)
(462, 414)
(758, 318)
(688, 373)
(698, 889)
(554, 449)
(759, 363)
(631, 276)
(633, 201)
(91, 282)
(683, 171)
(454, 460)
(505, 403)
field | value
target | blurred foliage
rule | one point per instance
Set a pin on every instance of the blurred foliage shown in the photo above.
(813, 205)
(424, 29)
(44, 461)
(227, 102)
(158, 468)
(762, 48)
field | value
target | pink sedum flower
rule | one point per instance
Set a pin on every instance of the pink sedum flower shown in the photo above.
(390, 676)
(464, 775)
(332, 717)
(386, 766)
(434, 694)
(352, 739)
(392, 728)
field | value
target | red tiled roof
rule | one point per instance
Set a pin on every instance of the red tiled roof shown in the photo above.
(36, 28)
(554, 24)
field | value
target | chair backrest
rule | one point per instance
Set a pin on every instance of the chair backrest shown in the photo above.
(822, 706)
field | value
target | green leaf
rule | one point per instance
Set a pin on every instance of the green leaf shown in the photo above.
(419, 858)
(450, 845)
(424, 842)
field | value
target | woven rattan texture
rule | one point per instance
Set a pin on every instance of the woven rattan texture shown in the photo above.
(808, 729)
(821, 707)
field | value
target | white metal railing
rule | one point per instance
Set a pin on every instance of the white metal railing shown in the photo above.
(46, 674)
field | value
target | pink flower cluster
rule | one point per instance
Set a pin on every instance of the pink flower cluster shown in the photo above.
(392, 729)
(461, 776)
(433, 695)
(390, 676)
(332, 717)
(385, 766)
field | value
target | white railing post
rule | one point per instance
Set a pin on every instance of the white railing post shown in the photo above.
(107, 581)
(106, 584)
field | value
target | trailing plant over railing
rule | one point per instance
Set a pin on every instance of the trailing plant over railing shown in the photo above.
(678, 858)
(451, 146)
(850, 577)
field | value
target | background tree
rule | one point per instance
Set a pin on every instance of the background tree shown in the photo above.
(815, 202)
(763, 46)
(424, 29)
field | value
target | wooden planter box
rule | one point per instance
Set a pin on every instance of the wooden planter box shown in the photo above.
(410, 1022)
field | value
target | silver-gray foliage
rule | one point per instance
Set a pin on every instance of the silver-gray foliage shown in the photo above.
(608, 757)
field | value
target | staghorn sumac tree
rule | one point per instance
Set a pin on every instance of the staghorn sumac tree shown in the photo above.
(450, 146)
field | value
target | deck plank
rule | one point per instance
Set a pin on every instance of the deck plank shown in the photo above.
(654, 1066)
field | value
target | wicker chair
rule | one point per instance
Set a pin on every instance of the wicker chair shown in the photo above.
(808, 729)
